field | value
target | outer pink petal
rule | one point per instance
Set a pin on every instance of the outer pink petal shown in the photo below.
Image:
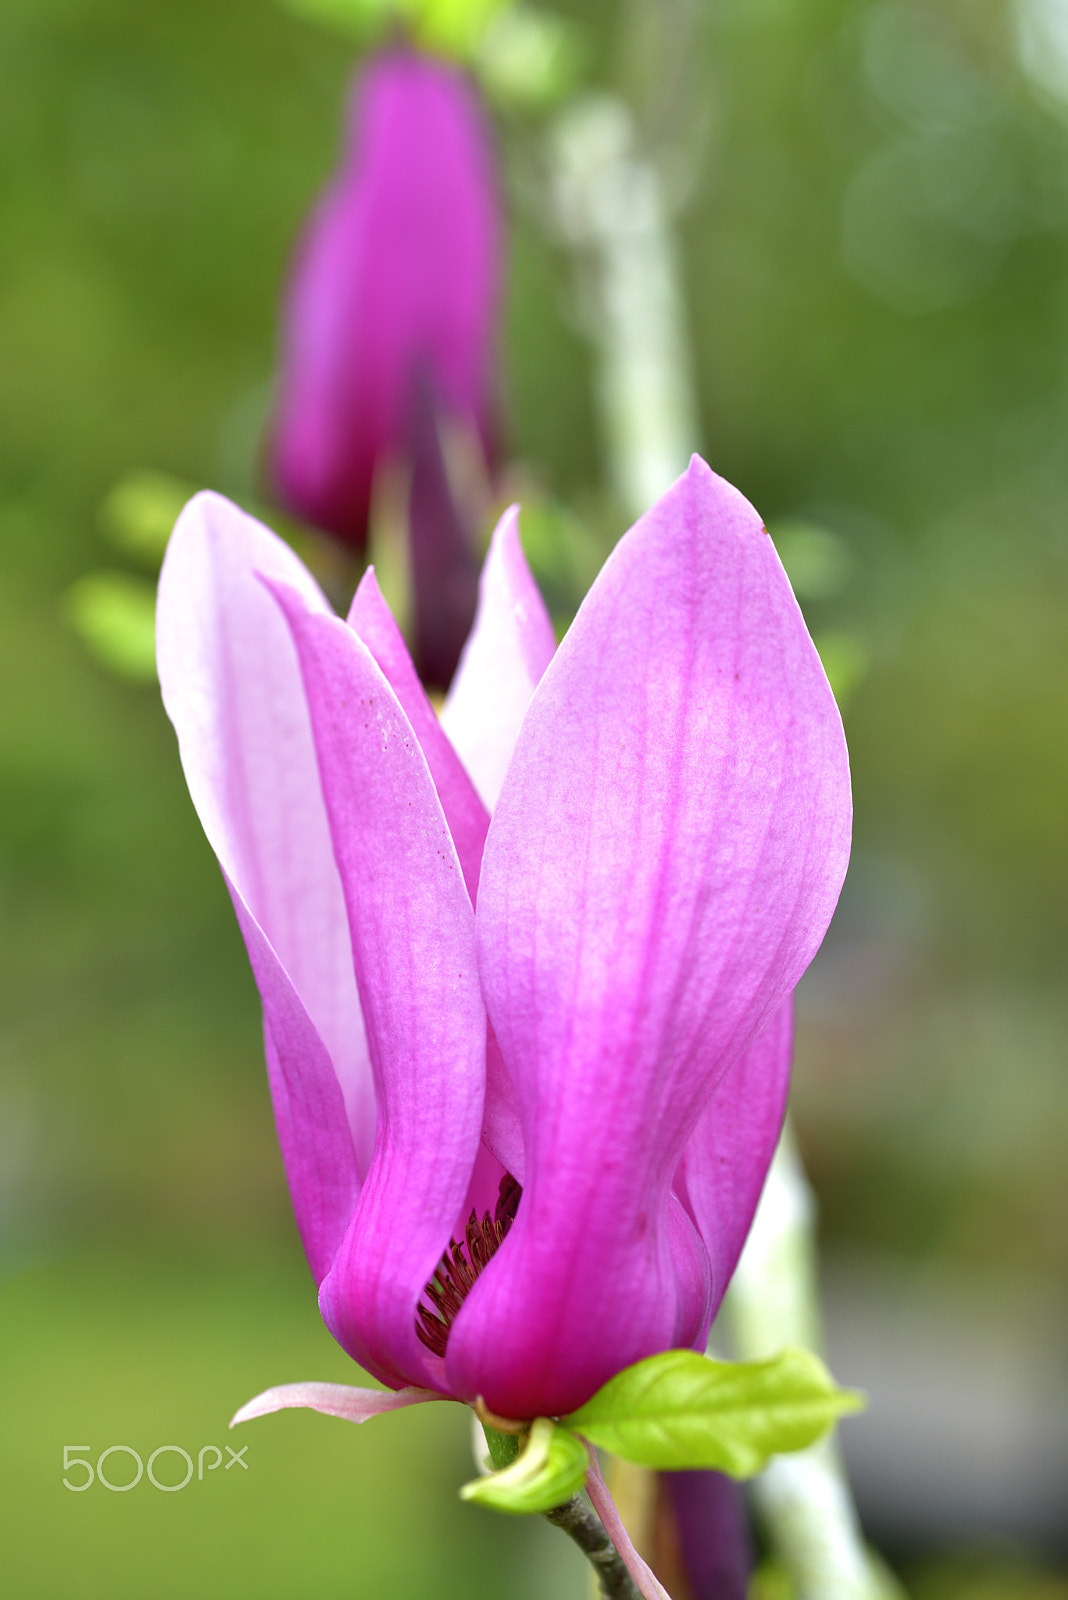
(232, 688)
(726, 1160)
(510, 647)
(412, 930)
(467, 817)
(333, 1400)
(662, 864)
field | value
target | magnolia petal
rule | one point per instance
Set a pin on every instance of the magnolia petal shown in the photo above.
(648, 1583)
(664, 858)
(501, 1128)
(510, 646)
(412, 930)
(727, 1156)
(232, 688)
(465, 813)
(484, 1189)
(333, 1400)
(467, 817)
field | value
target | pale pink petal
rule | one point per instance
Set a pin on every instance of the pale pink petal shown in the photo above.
(662, 864)
(231, 685)
(333, 1400)
(412, 929)
(467, 817)
(510, 647)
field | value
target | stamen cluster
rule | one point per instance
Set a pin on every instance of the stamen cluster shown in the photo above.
(457, 1271)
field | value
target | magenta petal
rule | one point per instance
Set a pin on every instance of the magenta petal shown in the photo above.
(465, 813)
(727, 1156)
(661, 866)
(397, 274)
(467, 817)
(511, 645)
(412, 930)
(333, 1400)
(502, 1130)
(232, 687)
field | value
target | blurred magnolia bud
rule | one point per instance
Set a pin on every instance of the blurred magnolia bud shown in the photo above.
(391, 311)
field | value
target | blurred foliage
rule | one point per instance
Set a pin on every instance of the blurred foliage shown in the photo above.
(116, 1349)
(138, 513)
(873, 205)
(524, 56)
(991, 1576)
(114, 614)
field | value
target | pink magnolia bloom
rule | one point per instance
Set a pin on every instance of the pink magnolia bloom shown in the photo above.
(560, 1037)
(390, 327)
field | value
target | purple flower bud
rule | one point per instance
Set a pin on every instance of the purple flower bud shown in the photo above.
(393, 295)
(715, 1545)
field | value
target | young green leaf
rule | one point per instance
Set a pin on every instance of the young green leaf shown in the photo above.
(680, 1409)
(114, 615)
(549, 1470)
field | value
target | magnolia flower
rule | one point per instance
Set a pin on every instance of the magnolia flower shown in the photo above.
(528, 1072)
(390, 329)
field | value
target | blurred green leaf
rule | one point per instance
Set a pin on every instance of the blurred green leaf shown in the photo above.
(114, 615)
(529, 58)
(357, 18)
(680, 1409)
(137, 515)
(451, 27)
(817, 562)
(771, 1581)
(845, 661)
(549, 1470)
(454, 27)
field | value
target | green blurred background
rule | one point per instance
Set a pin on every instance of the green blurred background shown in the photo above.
(874, 249)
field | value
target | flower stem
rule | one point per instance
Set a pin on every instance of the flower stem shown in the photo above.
(582, 1524)
(578, 1520)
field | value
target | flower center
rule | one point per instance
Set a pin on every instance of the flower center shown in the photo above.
(461, 1265)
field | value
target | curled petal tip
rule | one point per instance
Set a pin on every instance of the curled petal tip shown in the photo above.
(332, 1400)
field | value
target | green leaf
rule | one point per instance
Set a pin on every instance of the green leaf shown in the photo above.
(114, 615)
(818, 563)
(529, 58)
(845, 661)
(137, 515)
(680, 1409)
(549, 1470)
(450, 27)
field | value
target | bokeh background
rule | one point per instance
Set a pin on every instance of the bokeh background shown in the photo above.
(872, 232)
